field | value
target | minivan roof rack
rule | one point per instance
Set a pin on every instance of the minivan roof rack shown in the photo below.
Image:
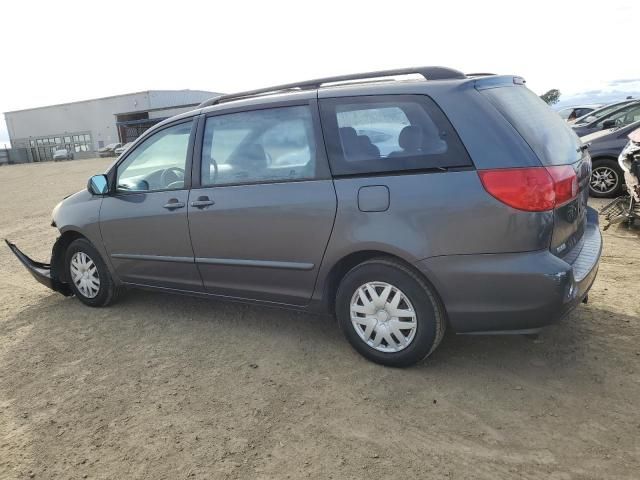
(429, 73)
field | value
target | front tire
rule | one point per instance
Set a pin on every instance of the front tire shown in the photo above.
(88, 276)
(389, 314)
(606, 179)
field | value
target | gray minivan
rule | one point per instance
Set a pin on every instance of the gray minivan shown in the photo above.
(402, 205)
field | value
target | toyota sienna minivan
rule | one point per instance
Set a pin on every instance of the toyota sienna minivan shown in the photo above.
(404, 202)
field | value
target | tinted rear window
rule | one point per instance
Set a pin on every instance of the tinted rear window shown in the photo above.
(389, 133)
(548, 135)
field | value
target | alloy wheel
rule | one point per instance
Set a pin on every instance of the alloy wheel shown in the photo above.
(604, 180)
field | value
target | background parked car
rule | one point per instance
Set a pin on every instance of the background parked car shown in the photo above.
(571, 114)
(109, 150)
(607, 178)
(602, 111)
(62, 154)
(120, 150)
(625, 115)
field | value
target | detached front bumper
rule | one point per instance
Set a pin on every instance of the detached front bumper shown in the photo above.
(42, 272)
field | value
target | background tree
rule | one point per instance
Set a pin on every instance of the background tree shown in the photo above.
(551, 97)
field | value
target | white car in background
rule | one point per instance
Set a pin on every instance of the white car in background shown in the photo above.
(109, 150)
(120, 150)
(62, 154)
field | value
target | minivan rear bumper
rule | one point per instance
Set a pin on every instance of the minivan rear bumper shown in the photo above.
(514, 292)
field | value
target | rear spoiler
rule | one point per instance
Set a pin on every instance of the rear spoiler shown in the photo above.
(494, 81)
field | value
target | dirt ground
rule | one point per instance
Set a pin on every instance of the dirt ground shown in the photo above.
(170, 387)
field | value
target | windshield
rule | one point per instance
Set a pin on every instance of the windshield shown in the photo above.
(596, 114)
(623, 117)
(565, 112)
(550, 137)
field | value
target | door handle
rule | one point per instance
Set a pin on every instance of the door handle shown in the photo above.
(173, 203)
(202, 202)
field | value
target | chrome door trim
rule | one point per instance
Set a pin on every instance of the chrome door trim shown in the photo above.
(155, 258)
(255, 263)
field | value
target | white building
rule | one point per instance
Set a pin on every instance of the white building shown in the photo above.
(88, 125)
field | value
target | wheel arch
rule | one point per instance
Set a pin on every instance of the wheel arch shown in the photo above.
(604, 156)
(349, 261)
(58, 253)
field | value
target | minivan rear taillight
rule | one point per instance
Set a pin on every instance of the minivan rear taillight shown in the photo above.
(534, 189)
(565, 182)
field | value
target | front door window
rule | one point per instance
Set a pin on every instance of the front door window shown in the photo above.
(158, 163)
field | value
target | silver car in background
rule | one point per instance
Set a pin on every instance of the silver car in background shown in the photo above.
(62, 154)
(120, 150)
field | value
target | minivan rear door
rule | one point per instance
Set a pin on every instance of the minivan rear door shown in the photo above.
(556, 146)
(263, 203)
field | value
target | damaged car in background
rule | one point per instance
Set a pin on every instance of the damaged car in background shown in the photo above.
(605, 146)
(626, 209)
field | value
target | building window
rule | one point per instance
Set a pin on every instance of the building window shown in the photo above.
(67, 139)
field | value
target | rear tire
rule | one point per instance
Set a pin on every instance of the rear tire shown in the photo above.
(603, 172)
(88, 276)
(389, 313)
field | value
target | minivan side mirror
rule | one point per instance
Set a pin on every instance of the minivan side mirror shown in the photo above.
(608, 124)
(98, 185)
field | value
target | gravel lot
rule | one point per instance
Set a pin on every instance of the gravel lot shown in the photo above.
(170, 387)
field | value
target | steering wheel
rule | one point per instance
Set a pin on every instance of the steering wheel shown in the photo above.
(172, 175)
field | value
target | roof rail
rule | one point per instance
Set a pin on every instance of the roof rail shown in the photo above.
(429, 73)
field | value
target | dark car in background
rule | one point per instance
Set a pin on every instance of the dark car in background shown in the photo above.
(402, 207)
(607, 177)
(109, 150)
(620, 117)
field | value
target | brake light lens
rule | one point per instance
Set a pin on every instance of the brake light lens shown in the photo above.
(565, 182)
(535, 189)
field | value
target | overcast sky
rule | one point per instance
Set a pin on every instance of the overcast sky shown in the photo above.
(60, 51)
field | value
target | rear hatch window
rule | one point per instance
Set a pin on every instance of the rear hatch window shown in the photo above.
(548, 135)
(555, 144)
